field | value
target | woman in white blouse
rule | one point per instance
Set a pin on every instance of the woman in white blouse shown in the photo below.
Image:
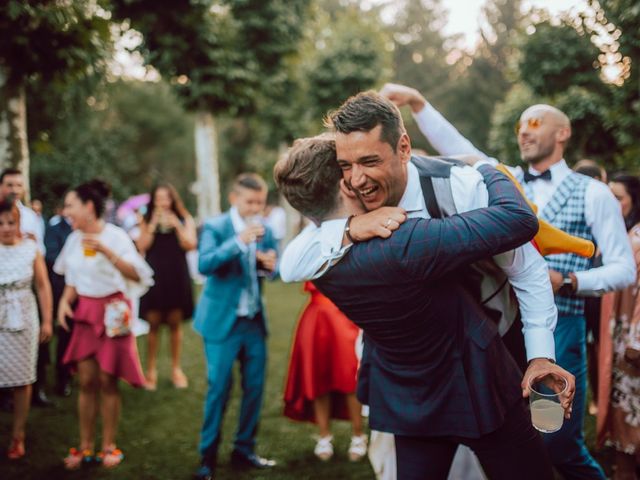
(102, 270)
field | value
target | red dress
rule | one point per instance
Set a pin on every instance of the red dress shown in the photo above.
(323, 360)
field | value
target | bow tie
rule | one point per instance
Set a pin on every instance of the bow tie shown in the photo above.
(528, 177)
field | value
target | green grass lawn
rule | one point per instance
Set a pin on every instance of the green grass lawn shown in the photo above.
(159, 430)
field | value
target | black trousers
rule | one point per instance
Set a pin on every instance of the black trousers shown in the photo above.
(514, 451)
(63, 372)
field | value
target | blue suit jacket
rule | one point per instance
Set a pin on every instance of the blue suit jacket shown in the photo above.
(435, 364)
(220, 260)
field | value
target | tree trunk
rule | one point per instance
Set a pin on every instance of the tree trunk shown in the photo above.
(207, 186)
(14, 149)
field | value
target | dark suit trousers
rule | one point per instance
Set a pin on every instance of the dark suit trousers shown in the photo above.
(515, 450)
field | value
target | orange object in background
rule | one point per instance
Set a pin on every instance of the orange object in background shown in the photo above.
(549, 239)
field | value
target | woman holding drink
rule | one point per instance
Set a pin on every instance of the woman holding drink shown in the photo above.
(167, 232)
(102, 270)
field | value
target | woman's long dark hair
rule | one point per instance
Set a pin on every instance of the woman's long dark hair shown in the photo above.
(632, 186)
(177, 206)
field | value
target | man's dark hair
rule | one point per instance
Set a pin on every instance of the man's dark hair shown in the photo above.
(309, 177)
(364, 112)
(9, 171)
(252, 181)
(590, 168)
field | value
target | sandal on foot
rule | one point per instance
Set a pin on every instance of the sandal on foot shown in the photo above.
(151, 381)
(78, 458)
(16, 449)
(179, 379)
(357, 448)
(111, 458)
(324, 448)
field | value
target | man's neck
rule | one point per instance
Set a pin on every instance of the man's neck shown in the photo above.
(546, 164)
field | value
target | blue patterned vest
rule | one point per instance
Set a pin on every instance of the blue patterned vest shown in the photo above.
(565, 211)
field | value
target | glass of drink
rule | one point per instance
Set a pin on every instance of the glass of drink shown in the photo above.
(545, 394)
(88, 250)
(257, 221)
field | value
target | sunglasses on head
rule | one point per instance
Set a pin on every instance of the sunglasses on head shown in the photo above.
(532, 123)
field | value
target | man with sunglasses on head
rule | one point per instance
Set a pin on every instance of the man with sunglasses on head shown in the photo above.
(574, 203)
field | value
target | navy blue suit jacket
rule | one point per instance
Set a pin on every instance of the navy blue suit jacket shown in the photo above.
(437, 365)
(54, 237)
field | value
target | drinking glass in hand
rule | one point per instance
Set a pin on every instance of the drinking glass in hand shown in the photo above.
(256, 221)
(547, 413)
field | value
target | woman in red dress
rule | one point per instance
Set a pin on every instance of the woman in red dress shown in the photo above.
(321, 383)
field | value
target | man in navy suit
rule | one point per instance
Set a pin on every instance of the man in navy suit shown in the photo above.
(56, 233)
(439, 374)
(230, 316)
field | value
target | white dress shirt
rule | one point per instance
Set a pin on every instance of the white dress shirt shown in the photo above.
(239, 225)
(96, 276)
(602, 210)
(32, 224)
(310, 254)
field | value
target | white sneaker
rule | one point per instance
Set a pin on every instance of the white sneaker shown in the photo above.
(324, 448)
(358, 448)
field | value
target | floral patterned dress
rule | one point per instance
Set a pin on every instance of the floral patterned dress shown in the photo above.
(621, 421)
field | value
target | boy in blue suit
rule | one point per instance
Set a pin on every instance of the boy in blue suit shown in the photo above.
(230, 317)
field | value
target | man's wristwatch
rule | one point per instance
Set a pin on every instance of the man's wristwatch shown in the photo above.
(567, 289)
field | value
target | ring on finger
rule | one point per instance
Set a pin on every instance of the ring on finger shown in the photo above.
(386, 225)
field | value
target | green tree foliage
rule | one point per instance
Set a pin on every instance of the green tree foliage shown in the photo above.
(621, 19)
(350, 57)
(219, 55)
(484, 77)
(53, 40)
(557, 57)
(130, 133)
(48, 41)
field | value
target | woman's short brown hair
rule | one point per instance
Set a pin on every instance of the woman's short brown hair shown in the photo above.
(309, 177)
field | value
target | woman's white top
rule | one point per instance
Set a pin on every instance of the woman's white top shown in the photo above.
(95, 276)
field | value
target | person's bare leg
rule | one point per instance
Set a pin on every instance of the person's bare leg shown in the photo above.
(355, 414)
(89, 378)
(21, 404)
(174, 319)
(110, 407)
(625, 467)
(322, 410)
(154, 317)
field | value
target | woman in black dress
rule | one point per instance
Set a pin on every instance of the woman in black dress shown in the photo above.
(167, 232)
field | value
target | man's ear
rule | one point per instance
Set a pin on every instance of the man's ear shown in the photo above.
(563, 134)
(232, 197)
(346, 189)
(404, 148)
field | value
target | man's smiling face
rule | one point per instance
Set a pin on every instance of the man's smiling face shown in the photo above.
(371, 167)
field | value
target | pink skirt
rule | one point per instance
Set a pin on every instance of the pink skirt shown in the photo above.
(116, 356)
